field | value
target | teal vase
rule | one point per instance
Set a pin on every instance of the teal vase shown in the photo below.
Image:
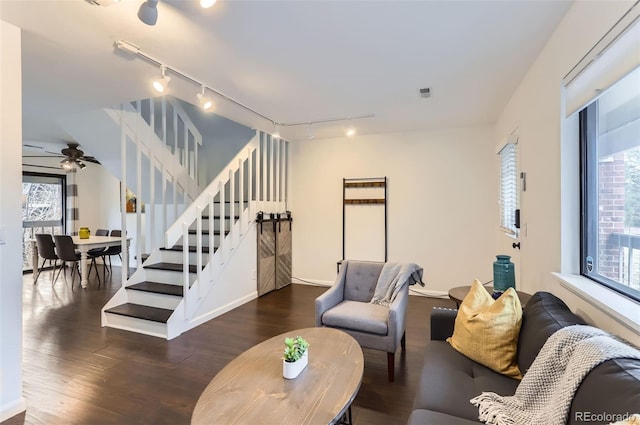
(504, 275)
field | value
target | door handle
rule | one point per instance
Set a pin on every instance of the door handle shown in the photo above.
(515, 245)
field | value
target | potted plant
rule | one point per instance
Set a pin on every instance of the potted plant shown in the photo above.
(295, 357)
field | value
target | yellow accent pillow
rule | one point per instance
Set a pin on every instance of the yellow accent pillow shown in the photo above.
(486, 330)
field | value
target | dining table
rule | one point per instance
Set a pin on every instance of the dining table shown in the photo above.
(83, 246)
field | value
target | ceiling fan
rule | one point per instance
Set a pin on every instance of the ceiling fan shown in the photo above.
(73, 157)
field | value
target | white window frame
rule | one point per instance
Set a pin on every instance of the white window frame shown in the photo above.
(509, 193)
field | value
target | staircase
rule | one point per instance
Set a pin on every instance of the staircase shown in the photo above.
(207, 263)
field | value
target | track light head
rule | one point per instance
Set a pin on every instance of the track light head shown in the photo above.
(310, 134)
(148, 12)
(207, 3)
(161, 83)
(206, 103)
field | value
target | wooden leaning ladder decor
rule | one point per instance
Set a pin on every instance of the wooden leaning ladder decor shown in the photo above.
(348, 187)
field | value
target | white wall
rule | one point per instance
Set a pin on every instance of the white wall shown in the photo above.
(535, 109)
(11, 399)
(442, 201)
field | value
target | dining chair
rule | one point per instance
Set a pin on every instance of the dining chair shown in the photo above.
(113, 250)
(46, 250)
(66, 250)
(99, 252)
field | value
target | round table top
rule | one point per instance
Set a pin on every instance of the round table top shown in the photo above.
(458, 293)
(251, 389)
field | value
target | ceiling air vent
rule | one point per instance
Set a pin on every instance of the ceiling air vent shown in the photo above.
(425, 93)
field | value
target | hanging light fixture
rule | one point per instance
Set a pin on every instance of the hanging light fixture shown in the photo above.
(161, 83)
(148, 12)
(205, 102)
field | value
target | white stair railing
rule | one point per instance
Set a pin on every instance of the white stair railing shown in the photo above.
(168, 181)
(174, 127)
(255, 179)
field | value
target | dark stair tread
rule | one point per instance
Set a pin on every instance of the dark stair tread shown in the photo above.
(158, 288)
(174, 267)
(206, 232)
(145, 312)
(217, 217)
(192, 248)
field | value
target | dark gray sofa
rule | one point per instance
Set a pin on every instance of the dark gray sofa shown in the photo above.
(449, 379)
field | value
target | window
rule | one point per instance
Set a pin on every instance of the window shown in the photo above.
(610, 187)
(42, 209)
(509, 196)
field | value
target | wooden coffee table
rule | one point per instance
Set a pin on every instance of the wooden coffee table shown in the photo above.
(458, 293)
(251, 389)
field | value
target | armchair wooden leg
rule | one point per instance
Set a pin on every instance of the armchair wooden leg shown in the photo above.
(391, 357)
(403, 341)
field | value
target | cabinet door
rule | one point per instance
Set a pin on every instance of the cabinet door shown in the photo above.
(266, 258)
(283, 250)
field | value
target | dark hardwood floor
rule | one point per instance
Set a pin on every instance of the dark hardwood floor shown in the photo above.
(76, 372)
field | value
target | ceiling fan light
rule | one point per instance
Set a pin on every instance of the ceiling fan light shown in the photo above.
(148, 12)
(81, 164)
(66, 164)
(205, 4)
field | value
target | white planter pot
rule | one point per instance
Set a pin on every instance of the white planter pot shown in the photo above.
(291, 370)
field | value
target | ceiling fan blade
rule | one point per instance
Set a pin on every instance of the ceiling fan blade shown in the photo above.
(90, 159)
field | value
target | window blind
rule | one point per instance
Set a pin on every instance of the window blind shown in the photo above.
(508, 198)
(614, 56)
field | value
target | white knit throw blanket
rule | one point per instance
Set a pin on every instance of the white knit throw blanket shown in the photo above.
(545, 393)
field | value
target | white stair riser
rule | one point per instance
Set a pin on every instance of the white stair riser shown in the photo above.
(176, 257)
(133, 324)
(216, 224)
(152, 299)
(164, 276)
(205, 240)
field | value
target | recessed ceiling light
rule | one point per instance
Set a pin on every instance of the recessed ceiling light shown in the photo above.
(350, 131)
(207, 3)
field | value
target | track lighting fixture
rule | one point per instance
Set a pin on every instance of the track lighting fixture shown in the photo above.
(205, 102)
(161, 84)
(148, 12)
(207, 3)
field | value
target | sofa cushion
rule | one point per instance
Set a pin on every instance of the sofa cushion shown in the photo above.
(612, 387)
(543, 315)
(486, 330)
(449, 380)
(365, 317)
(429, 417)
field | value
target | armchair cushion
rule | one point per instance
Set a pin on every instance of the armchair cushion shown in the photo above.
(360, 316)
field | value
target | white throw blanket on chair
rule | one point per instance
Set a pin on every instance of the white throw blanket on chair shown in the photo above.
(392, 278)
(545, 393)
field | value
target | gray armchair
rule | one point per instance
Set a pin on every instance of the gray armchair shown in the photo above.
(346, 306)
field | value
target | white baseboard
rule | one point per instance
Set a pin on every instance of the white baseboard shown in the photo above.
(11, 409)
(312, 282)
(196, 321)
(421, 292)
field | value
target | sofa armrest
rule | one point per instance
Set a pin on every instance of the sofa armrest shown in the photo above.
(332, 297)
(398, 316)
(442, 323)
